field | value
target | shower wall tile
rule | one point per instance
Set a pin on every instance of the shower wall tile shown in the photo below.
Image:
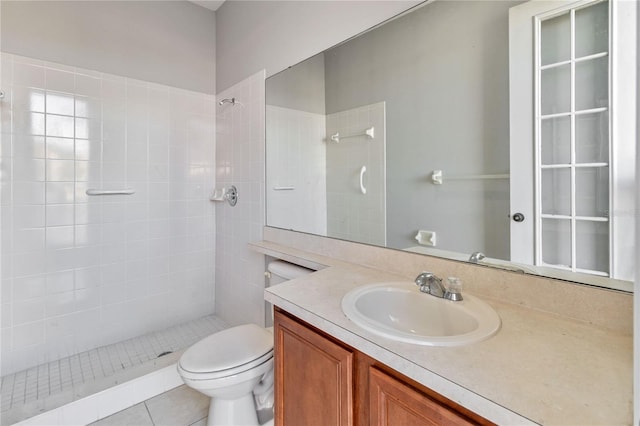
(297, 156)
(80, 271)
(352, 215)
(240, 157)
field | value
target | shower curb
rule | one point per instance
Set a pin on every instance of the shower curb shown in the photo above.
(109, 401)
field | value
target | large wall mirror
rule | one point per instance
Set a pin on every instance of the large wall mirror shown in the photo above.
(496, 132)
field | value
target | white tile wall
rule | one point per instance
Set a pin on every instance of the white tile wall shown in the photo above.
(240, 162)
(296, 157)
(352, 215)
(79, 271)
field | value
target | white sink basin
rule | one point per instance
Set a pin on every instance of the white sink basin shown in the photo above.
(399, 311)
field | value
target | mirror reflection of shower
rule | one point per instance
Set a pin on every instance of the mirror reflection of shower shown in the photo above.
(231, 101)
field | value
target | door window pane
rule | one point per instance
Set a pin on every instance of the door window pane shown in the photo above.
(35, 124)
(592, 245)
(555, 35)
(555, 140)
(592, 191)
(60, 125)
(59, 103)
(556, 191)
(592, 83)
(556, 90)
(36, 100)
(556, 242)
(592, 29)
(592, 138)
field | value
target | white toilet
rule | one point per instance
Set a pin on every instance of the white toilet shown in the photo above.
(235, 366)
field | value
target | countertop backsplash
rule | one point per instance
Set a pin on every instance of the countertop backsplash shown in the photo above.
(608, 309)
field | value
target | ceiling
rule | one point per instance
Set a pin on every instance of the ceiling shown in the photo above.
(209, 4)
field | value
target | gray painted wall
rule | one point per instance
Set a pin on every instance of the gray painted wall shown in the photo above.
(443, 72)
(167, 42)
(302, 90)
(273, 35)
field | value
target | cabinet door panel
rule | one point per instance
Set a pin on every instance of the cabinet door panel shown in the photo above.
(314, 377)
(392, 402)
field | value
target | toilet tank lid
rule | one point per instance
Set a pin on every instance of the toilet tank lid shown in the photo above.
(227, 349)
(287, 270)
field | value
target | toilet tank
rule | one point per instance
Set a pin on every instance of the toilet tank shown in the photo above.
(278, 272)
(281, 271)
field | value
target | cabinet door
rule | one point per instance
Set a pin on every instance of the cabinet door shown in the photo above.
(392, 402)
(313, 377)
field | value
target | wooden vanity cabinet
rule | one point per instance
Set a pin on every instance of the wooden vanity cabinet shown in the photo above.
(314, 378)
(321, 381)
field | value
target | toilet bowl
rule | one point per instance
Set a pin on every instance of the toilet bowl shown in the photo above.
(234, 367)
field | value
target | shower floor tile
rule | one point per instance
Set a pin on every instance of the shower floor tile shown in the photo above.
(47, 386)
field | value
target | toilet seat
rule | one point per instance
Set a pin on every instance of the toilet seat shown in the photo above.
(190, 375)
(227, 353)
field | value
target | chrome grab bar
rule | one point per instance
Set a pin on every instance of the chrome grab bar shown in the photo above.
(128, 191)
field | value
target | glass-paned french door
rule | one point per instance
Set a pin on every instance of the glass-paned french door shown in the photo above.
(572, 138)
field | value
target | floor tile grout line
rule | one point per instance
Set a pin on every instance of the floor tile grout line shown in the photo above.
(100, 362)
(199, 420)
(149, 413)
(127, 346)
(93, 370)
(49, 378)
(127, 353)
(26, 383)
(13, 387)
(79, 368)
(37, 380)
(95, 364)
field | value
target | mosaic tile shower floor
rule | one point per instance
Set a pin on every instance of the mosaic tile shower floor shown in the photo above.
(37, 389)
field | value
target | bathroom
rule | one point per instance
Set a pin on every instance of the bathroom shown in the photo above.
(85, 272)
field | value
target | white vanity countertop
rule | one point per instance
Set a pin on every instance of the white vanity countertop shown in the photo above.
(539, 368)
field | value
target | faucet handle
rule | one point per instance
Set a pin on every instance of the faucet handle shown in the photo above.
(454, 289)
(430, 283)
(424, 278)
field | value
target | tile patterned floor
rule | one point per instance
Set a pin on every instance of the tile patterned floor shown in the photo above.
(72, 376)
(181, 406)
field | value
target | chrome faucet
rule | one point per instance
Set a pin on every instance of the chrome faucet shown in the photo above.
(429, 283)
(476, 257)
